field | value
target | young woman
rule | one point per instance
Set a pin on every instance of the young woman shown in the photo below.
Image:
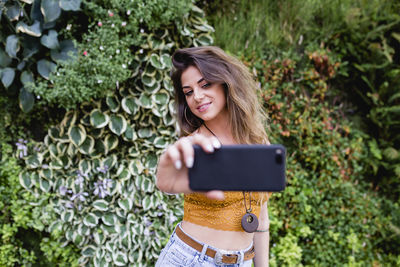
(216, 105)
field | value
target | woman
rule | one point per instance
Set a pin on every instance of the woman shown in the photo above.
(217, 104)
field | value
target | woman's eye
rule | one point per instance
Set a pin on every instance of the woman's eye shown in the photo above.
(188, 93)
(206, 85)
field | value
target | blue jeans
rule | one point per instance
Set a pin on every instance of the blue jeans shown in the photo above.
(178, 253)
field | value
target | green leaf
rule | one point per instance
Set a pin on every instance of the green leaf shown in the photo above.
(78, 239)
(156, 62)
(144, 133)
(45, 67)
(67, 215)
(203, 40)
(161, 97)
(129, 105)
(113, 103)
(50, 40)
(55, 226)
(117, 124)
(33, 30)
(5, 60)
(77, 134)
(145, 101)
(50, 9)
(101, 205)
(166, 60)
(88, 251)
(12, 12)
(7, 76)
(120, 259)
(147, 203)
(147, 80)
(44, 185)
(87, 146)
(85, 166)
(26, 100)
(70, 5)
(391, 153)
(135, 167)
(91, 220)
(109, 219)
(67, 51)
(125, 204)
(12, 45)
(130, 134)
(46, 173)
(98, 119)
(25, 180)
(27, 78)
(111, 142)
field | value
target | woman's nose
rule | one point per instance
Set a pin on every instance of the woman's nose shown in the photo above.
(198, 94)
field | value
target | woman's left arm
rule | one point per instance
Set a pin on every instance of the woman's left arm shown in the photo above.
(261, 239)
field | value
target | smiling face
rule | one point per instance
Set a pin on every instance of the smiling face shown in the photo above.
(207, 101)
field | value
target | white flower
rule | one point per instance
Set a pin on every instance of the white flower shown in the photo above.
(117, 51)
(123, 24)
(128, 12)
(123, 66)
(141, 51)
(101, 47)
(99, 81)
(112, 25)
(69, 26)
(141, 30)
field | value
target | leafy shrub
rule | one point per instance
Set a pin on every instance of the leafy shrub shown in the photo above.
(30, 45)
(117, 29)
(325, 216)
(100, 198)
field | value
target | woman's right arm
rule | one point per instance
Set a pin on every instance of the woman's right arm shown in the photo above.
(172, 170)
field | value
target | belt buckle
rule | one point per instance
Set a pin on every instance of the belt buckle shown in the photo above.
(218, 258)
(220, 253)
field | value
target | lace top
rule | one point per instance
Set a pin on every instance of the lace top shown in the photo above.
(220, 214)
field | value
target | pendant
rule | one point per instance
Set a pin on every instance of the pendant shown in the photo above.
(249, 222)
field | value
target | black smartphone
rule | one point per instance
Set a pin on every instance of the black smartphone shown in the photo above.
(239, 168)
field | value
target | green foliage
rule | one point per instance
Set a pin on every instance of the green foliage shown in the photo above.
(325, 216)
(93, 175)
(117, 31)
(371, 82)
(30, 45)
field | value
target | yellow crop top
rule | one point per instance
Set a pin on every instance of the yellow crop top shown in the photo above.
(220, 214)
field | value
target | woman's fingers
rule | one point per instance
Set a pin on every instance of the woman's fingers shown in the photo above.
(175, 156)
(207, 143)
(215, 194)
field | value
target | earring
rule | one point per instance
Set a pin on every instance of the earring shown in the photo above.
(184, 114)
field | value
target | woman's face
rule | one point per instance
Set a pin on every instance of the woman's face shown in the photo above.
(207, 101)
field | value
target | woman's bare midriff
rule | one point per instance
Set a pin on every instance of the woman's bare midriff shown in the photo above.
(226, 240)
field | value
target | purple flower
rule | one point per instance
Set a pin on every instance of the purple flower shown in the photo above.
(101, 188)
(102, 170)
(69, 205)
(21, 146)
(81, 196)
(63, 190)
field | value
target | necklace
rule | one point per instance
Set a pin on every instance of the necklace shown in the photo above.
(249, 220)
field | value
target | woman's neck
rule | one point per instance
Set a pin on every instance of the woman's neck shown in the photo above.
(221, 130)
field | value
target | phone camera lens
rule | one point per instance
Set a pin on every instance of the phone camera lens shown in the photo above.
(278, 156)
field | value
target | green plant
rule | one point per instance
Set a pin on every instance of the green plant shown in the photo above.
(30, 45)
(316, 220)
(93, 174)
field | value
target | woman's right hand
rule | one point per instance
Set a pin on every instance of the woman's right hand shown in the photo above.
(172, 171)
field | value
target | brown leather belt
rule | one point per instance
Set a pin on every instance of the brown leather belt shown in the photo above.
(216, 255)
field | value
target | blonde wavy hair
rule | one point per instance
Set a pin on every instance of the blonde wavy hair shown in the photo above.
(247, 118)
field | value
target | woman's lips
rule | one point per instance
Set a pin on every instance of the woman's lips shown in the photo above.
(203, 107)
